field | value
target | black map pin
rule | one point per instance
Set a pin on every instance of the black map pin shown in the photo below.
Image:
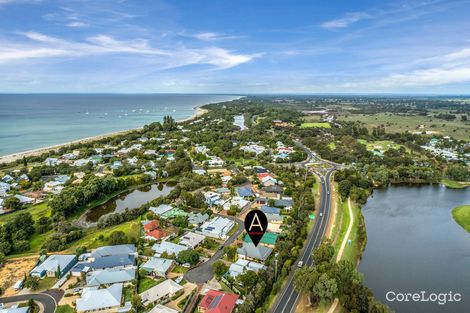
(256, 224)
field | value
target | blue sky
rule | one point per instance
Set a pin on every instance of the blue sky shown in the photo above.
(250, 46)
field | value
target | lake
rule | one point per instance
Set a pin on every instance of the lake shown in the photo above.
(130, 199)
(239, 120)
(414, 245)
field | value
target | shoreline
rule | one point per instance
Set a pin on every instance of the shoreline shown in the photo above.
(198, 111)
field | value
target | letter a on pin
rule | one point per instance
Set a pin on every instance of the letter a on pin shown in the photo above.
(256, 224)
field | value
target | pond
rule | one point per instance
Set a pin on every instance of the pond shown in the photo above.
(130, 199)
(239, 120)
(415, 246)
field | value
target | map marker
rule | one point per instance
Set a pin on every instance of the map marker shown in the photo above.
(256, 224)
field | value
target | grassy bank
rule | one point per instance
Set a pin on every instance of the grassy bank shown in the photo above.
(454, 184)
(461, 215)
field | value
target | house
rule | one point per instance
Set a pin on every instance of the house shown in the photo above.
(197, 219)
(116, 250)
(116, 165)
(14, 309)
(268, 181)
(161, 209)
(157, 266)
(7, 179)
(110, 276)
(244, 192)
(218, 227)
(4, 186)
(168, 247)
(81, 162)
(162, 309)
(24, 199)
(164, 290)
(23, 177)
(218, 302)
(214, 161)
(259, 169)
(272, 214)
(54, 265)
(200, 171)
(286, 204)
(191, 239)
(103, 300)
(153, 232)
(269, 239)
(211, 197)
(69, 156)
(241, 266)
(52, 161)
(237, 202)
(250, 252)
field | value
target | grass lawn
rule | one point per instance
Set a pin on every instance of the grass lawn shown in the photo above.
(46, 283)
(351, 252)
(37, 211)
(146, 283)
(179, 269)
(315, 125)
(461, 215)
(91, 241)
(64, 309)
(383, 145)
(454, 184)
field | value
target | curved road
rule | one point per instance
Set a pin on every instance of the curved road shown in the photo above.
(203, 273)
(288, 299)
(48, 302)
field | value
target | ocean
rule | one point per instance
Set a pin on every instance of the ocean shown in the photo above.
(31, 121)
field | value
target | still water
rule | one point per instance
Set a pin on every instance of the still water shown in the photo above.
(130, 199)
(414, 245)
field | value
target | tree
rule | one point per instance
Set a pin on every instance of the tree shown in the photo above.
(219, 268)
(188, 256)
(231, 252)
(32, 283)
(12, 203)
(325, 288)
(248, 280)
(2, 258)
(304, 280)
(31, 305)
(136, 302)
(118, 237)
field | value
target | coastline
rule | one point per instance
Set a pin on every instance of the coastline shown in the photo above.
(198, 111)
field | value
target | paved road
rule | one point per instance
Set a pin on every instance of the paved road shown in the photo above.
(203, 272)
(288, 299)
(47, 301)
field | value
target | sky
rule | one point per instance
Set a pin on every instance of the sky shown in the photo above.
(242, 46)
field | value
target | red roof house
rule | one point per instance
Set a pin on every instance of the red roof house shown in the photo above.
(218, 302)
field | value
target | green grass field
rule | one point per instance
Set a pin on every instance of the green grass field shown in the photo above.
(64, 309)
(401, 123)
(351, 252)
(454, 184)
(37, 211)
(315, 125)
(146, 283)
(461, 215)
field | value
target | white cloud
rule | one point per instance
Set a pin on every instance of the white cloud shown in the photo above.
(41, 46)
(346, 20)
(211, 36)
(76, 24)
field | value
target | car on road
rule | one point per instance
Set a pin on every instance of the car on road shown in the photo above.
(300, 264)
(321, 214)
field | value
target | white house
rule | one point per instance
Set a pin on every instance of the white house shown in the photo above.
(160, 292)
(168, 247)
(157, 266)
(103, 300)
(217, 227)
(191, 239)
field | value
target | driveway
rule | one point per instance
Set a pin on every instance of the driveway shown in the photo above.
(203, 272)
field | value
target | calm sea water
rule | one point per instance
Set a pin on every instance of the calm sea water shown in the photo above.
(414, 245)
(40, 120)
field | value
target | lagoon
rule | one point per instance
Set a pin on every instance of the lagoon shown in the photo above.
(414, 245)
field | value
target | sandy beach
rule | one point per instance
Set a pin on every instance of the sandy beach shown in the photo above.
(34, 152)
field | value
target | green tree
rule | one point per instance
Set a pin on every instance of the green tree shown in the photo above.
(325, 288)
(219, 268)
(188, 256)
(12, 203)
(118, 237)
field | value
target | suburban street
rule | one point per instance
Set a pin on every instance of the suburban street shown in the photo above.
(47, 301)
(287, 301)
(203, 273)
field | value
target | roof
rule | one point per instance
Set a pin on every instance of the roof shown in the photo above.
(113, 250)
(245, 192)
(216, 227)
(268, 238)
(161, 209)
(153, 224)
(162, 309)
(259, 252)
(167, 287)
(241, 266)
(96, 299)
(218, 302)
(109, 276)
(158, 265)
(197, 218)
(54, 262)
(157, 234)
(272, 189)
(270, 209)
(15, 310)
(191, 239)
(112, 261)
(283, 202)
(168, 247)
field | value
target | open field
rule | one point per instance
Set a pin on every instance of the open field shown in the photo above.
(37, 211)
(461, 215)
(454, 184)
(315, 125)
(401, 123)
(13, 271)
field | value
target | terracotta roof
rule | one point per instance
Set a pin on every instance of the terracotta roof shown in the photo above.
(218, 302)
